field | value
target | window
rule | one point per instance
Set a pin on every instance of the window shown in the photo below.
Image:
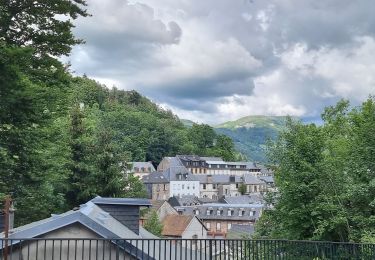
(218, 212)
(240, 212)
(196, 212)
(252, 213)
(208, 212)
(204, 186)
(236, 185)
(183, 186)
(229, 225)
(214, 186)
(208, 225)
(230, 212)
(218, 226)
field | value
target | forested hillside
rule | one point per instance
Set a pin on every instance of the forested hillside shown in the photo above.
(66, 139)
(250, 134)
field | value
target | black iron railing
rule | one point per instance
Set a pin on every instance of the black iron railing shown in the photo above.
(198, 249)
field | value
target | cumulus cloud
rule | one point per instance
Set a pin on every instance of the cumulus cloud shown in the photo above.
(218, 60)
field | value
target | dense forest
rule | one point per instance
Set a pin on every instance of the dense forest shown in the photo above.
(325, 177)
(65, 139)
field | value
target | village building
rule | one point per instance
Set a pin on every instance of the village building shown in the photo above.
(157, 186)
(219, 218)
(141, 169)
(184, 227)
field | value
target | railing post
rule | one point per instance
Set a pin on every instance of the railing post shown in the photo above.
(210, 248)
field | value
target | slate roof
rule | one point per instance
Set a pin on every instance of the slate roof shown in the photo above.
(238, 231)
(224, 208)
(194, 158)
(250, 179)
(243, 199)
(145, 165)
(155, 177)
(212, 159)
(174, 162)
(175, 225)
(102, 223)
(186, 200)
(121, 201)
(267, 179)
(249, 165)
(172, 174)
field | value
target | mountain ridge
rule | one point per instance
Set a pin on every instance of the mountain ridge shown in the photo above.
(250, 133)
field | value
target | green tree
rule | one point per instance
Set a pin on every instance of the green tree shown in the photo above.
(242, 189)
(38, 24)
(153, 224)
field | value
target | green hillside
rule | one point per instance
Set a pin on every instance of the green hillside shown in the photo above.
(250, 134)
(187, 122)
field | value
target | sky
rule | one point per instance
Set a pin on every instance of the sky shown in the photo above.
(212, 61)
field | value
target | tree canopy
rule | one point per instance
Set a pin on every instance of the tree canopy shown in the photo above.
(325, 178)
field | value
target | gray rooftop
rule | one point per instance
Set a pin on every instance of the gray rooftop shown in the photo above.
(145, 165)
(250, 179)
(249, 212)
(121, 201)
(267, 179)
(238, 231)
(155, 177)
(179, 173)
(244, 199)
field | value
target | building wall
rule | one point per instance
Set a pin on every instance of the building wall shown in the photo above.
(209, 190)
(225, 225)
(255, 188)
(166, 209)
(160, 191)
(181, 188)
(82, 251)
(164, 165)
(195, 230)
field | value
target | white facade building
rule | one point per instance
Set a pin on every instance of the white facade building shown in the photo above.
(182, 188)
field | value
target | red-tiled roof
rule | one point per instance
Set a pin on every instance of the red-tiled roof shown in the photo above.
(175, 225)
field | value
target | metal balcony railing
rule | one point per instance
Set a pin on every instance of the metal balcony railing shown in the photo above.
(198, 249)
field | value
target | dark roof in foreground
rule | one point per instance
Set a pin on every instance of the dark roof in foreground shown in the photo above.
(121, 201)
(238, 231)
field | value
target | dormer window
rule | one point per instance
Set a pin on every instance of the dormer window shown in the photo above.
(252, 213)
(241, 212)
(196, 212)
(230, 212)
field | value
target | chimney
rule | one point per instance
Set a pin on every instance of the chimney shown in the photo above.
(125, 210)
(11, 218)
(232, 179)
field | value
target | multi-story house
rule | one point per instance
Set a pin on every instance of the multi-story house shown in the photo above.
(210, 165)
(254, 184)
(174, 181)
(141, 169)
(215, 186)
(182, 182)
(157, 186)
(219, 218)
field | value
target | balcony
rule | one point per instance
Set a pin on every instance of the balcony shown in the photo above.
(120, 249)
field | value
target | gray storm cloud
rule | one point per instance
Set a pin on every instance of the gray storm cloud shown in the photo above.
(224, 59)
